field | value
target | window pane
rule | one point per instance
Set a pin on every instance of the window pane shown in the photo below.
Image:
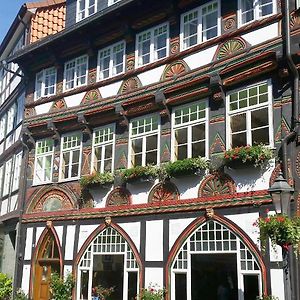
(259, 118)
(180, 286)
(151, 150)
(198, 132)
(238, 123)
(260, 136)
(251, 288)
(239, 139)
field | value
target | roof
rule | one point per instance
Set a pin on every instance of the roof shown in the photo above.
(47, 3)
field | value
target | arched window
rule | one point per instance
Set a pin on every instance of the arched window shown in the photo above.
(108, 262)
(214, 263)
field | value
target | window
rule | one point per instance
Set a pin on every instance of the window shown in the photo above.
(76, 71)
(45, 83)
(1, 179)
(17, 170)
(144, 141)
(7, 177)
(200, 24)
(250, 10)
(190, 131)
(111, 61)
(103, 149)
(249, 116)
(43, 161)
(70, 156)
(87, 8)
(152, 44)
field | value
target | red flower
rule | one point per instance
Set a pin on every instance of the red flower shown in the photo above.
(267, 220)
(267, 210)
(280, 219)
(286, 246)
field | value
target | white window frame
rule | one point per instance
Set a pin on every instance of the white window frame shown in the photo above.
(103, 146)
(200, 25)
(85, 10)
(7, 177)
(44, 74)
(143, 136)
(71, 150)
(75, 69)
(256, 7)
(112, 65)
(152, 52)
(44, 156)
(189, 125)
(17, 170)
(248, 111)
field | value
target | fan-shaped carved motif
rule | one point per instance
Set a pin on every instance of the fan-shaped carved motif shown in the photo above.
(59, 104)
(91, 96)
(130, 84)
(230, 47)
(174, 70)
(215, 185)
(118, 197)
(163, 191)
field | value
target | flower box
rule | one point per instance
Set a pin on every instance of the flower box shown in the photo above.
(97, 180)
(139, 174)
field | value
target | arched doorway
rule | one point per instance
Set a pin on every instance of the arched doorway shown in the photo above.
(212, 263)
(108, 260)
(47, 261)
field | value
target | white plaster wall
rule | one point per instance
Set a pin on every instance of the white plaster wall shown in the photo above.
(252, 179)
(100, 195)
(28, 243)
(245, 222)
(200, 58)
(13, 202)
(188, 186)
(59, 231)
(154, 277)
(84, 233)
(176, 227)
(18, 133)
(67, 270)
(69, 248)
(110, 90)
(151, 76)
(39, 231)
(43, 108)
(1, 148)
(261, 35)
(134, 231)
(277, 287)
(139, 192)
(74, 100)
(25, 279)
(4, 207)
(154, 240)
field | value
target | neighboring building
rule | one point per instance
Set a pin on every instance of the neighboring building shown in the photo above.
(26, 28)
(130, 83)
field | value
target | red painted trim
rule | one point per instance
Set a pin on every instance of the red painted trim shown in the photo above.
(100, 110)
(93, 235)
(196, 93)
(231, 226)
(48, 230)
(138, 100)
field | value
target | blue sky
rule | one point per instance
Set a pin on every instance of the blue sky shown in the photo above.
(8, 12)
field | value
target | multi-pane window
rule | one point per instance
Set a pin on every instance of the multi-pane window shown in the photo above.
(200, 24)
(43, 161)
(103, 149)
(76, 71)
(249, 116)
(111, 61)
(70, 156)
(17, 170)
(152, 44)
(87, 8)
(7, 177)
(144, 141)
(45, 83)
(250, 10)
(190, 130)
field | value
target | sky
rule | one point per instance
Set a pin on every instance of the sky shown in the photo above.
(8, 12)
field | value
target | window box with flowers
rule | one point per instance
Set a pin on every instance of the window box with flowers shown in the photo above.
(96, 179)
(139, 174)
(101, 293)
(187, 166)
(281, 230)
(241, 157)
(151, 293)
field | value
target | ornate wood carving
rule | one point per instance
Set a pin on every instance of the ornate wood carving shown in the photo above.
(216, 184)
(229, 23)
(163, 191)
(295, 19)
(91, 96)
(59, 88)
(174, 45)
(130, 62)
(92, 76)
(166, 154)
(130, 85)
(86, 161)
(174, 70)
(118, 197)
(230, 47)
(217, 145)
(282, 131)
(30, 112)
(122, 163)
(58, 105)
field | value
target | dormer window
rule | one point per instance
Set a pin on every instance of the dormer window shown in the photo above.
(152, 44)
(45, 83)
(250, 10)
(86, 8)
(76, 71)
(200, 24)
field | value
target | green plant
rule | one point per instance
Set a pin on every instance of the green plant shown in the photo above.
(61, 289)
(186, 166)
(100, 291)
(266, 297)
(137, 172)
(20, 295)
(257, 154)
(281, 230)
(152, 293)
(5, 287)
(95, 179)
